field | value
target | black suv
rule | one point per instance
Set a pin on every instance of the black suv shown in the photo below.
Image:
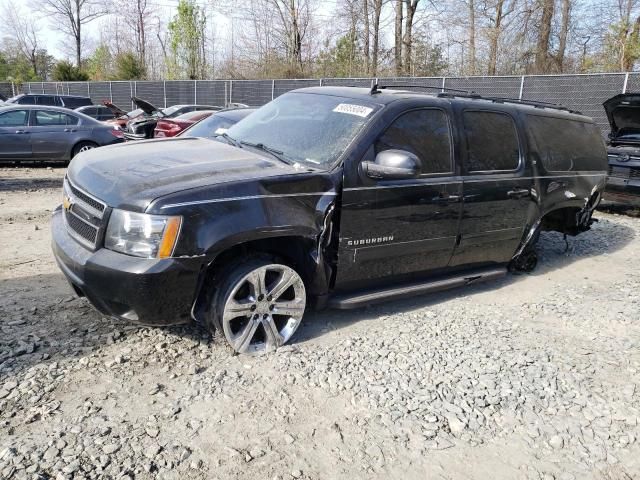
(326, 196)
(67, 101)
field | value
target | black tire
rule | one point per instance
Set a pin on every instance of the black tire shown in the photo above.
(232, 282)
(83, 146)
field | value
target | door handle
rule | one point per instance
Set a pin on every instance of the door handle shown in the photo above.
(448, 199)
(521, 193)
(70, 130)
(20, 132)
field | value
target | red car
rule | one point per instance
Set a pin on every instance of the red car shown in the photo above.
(170, 127)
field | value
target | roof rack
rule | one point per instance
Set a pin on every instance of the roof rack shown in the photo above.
(455, 93)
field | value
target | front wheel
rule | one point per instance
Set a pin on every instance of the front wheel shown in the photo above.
(259, 305)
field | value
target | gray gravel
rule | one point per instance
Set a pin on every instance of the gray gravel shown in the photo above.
(533, 377)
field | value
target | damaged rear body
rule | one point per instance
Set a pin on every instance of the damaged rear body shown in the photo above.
(367, 195)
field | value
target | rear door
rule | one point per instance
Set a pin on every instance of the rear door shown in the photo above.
(398, 228)
(52, 134)
(497, 186)
(15, 140)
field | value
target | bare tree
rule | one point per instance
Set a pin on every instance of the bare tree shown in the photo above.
(563, 35)
(377, 11)
(72, 15)
(137, 15)
(544, 35)
(398, 36)
(407, 39)
(24, 32)
(472, 37)
(366, 36)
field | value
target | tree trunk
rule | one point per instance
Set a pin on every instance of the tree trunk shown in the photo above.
(77, 35)
(398, 37)
(407, 41)
(494, 39)
(542, 45)
(377, 10)
(472, 37)
(365, 12)
(564, 32)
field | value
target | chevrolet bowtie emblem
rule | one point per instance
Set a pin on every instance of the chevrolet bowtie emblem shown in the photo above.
(66, 202)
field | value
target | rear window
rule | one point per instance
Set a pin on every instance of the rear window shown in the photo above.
(564, 145)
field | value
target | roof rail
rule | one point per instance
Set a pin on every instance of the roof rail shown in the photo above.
(455, 93)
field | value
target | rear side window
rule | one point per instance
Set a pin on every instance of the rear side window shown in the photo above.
(14, 118)
(27, 100)
(48, 118)
(424, 133)
(492, 142)
(564, 145)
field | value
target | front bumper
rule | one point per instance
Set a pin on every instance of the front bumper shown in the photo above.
(625, 191)
(142, 290)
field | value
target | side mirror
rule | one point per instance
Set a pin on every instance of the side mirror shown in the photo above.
(392, 164)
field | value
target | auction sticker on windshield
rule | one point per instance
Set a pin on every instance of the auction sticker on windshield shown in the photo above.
(351, 109)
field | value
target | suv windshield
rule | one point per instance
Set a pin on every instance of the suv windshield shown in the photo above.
(307, 128)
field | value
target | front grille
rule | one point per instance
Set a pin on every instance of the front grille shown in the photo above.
(84, 216)
(624, 172)
(87, 199)
(81, 228)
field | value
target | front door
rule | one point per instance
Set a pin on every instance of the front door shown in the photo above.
(400, 228)
(15, 141)
(497, 189)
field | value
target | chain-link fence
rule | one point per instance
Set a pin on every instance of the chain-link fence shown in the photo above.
(578, 92)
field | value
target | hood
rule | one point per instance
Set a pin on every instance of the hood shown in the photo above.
(623, 113)
(117, 111)
(132, 175)
(145, 106)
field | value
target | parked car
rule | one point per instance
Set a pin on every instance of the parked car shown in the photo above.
(98, 112)
(2, 98)
(623, 184)
(31, 132)
(217, 124)
(143, 126)
(326, 196)
(121, 117)
(67, 101)
(170, 127)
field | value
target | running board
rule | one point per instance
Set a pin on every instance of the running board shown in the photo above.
(364, 298)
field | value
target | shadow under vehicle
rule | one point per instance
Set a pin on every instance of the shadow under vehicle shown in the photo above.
(326, 196)
(623, 184)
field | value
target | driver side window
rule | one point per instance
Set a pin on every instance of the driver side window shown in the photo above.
(424, 133)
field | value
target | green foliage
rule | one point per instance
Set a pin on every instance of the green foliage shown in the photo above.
(100, 64)
(345, 59)
(129, 67)
(428, 60)
(621, 47)
(66, 72)
(186, 38)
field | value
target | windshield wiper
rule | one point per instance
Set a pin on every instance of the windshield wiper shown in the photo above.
(229, 139)
(265, 148)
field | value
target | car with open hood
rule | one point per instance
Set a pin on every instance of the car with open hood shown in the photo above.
(623, 148)
(143, 126)
(325, 197)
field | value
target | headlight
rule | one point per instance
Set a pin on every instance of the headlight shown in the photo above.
(142, 235)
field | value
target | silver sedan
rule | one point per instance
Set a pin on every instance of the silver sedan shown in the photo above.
(31, 132)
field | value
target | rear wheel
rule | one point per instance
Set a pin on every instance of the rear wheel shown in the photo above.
(259, 305)
(83, 147)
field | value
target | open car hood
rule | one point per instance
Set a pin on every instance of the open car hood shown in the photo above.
(117, 111)
(623, 113)
(145, 106)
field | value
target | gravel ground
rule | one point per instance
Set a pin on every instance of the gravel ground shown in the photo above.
(530, 377)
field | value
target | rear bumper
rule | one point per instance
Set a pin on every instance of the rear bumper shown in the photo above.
(146, 291)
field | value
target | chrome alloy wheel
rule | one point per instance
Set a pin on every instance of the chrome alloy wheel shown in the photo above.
(264, 309)
(84, 148)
